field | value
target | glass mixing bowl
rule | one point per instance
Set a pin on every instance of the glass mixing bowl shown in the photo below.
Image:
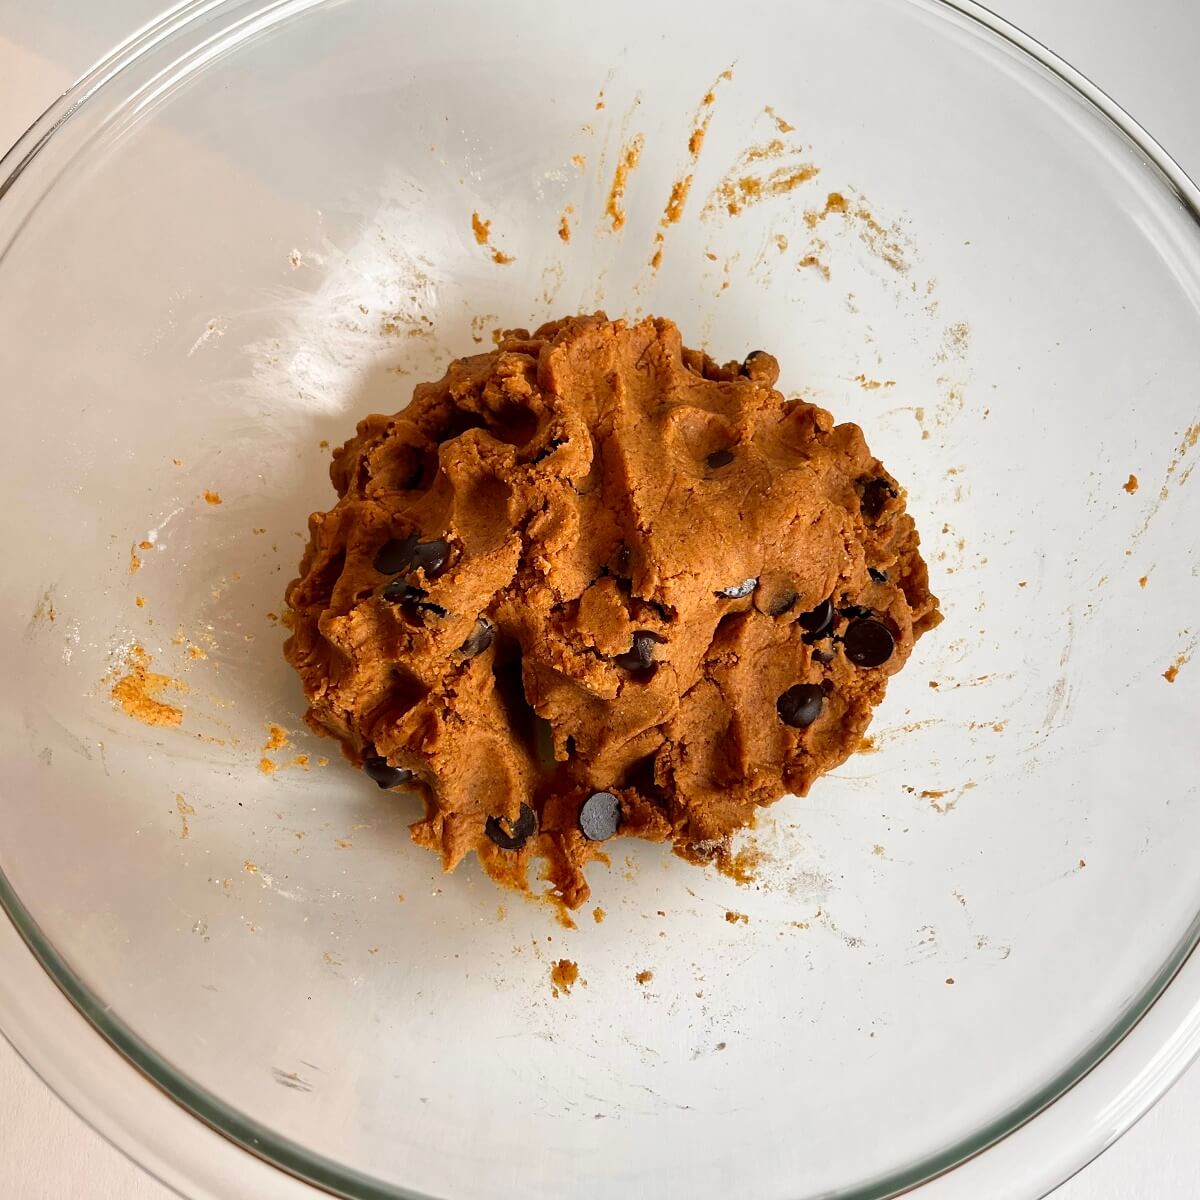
(258, 222)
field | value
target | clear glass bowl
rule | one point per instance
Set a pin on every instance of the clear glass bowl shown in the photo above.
(253, 225)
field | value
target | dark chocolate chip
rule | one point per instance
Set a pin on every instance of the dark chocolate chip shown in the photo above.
(855, 612)
(824, 657)
(384, 774)
(868, 643)
(800, 705)
(873, 494)
(640, 656)
(395, 555)
(398, 555)
(738, 590)
(749, 359)
(431, 557)
(719, 458)
(877, 575)
(782, 604)
(479, 639)
(410, 597)
(600, 816)
(400, 592)
(512, 835)
(816, 621)
(548, 449)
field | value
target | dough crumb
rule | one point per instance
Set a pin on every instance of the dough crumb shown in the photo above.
(1131, 484)
(564, 974)
(278, 738)
(139, 691)
(212, 497)
(644, 977)
(735, 918)
(598, 915)
(185, 810)
(628, 161)
(483, 232)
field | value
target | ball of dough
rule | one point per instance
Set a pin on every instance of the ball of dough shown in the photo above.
(592, 584)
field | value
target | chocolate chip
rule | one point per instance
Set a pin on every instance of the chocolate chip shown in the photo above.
(855, 612)
(400, 592)
(877, 575)
(512, 835)
(873, 494)
(548, 449)
(395, 555)
(479, 639)
(600, 816)
(398, 555)
(816, 621)
(719, 458)
(738, 590)
(800, 705)
(384, 774)
(748, 362)
(782, 604)
(410, 597)
(640, 656)
(868, 643)
(824, 657)
(431, 557)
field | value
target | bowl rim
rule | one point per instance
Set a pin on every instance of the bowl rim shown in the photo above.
(198, 1146)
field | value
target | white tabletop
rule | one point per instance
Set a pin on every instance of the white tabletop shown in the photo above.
(1141, 54)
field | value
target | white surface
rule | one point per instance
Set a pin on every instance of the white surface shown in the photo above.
(1142, 61)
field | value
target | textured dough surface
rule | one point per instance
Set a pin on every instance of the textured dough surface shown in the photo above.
(595, 481)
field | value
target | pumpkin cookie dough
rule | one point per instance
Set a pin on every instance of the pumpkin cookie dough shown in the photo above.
(593, 584)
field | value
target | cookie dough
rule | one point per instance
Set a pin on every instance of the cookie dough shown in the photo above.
(594, 584)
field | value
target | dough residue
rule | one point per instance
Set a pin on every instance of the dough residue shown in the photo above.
(139, 691)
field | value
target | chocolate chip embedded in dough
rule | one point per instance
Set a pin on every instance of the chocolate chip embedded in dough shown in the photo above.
(431, 557)
(738, 590)
(782, 603)
(479, 639)
(395, 555)
(877, 575)
(379, 769)
(719, 458)
(873, 494)
(398, 555)
(855, 612)
(800, 705)
(600, 816)
(548, 449)
(512, 835)
(640, 656)
(817, 621)
(410, 597)
(868, 643)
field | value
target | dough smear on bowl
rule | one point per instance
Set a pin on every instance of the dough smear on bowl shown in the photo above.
(592, 584)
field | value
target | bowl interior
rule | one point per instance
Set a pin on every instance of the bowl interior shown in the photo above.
(262, 231)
